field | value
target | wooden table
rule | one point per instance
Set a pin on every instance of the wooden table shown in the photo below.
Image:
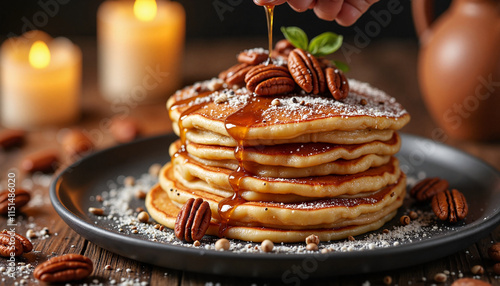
(389, 65)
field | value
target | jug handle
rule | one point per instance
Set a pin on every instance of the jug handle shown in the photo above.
(423, 16)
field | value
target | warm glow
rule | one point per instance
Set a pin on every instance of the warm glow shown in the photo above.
(39, 56)
(145, 10)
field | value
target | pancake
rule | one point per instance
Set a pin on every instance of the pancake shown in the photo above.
(304, 214)
(321, 186)
(297, 155)
(338, 167)
(364, 108)
(197, 184)
(335, 137)
(165, 212)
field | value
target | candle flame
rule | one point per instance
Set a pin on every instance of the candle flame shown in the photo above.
(145, 10)
(39, 56)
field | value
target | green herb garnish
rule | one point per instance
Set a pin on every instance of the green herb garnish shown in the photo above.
(322, 45)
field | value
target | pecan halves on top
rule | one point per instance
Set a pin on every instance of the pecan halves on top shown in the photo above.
(306, 71)
(450, 205)
(253, 56)
(64, 268)
(11, 242)
(427, 188)
(337, 83)
(282, 49)
(235, 75)
(269, 80)
(193, 220)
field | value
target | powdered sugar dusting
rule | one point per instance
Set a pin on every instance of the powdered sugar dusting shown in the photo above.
(363, 100)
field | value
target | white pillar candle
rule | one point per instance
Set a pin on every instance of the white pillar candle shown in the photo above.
(140, 50)
(40, 81)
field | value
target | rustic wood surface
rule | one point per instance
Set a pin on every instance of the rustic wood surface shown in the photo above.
(389, 65)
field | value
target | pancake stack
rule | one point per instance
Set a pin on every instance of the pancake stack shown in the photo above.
(285, 166)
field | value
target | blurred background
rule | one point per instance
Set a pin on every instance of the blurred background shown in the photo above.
(205, 19)
(381, 47)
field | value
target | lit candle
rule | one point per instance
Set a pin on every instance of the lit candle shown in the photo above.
(140, 50)
(40, 81)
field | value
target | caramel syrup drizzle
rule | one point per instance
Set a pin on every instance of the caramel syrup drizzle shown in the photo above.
(237, 126)
(192, 108)
(270, 19)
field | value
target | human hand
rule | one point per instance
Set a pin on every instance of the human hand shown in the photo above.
(344, 12)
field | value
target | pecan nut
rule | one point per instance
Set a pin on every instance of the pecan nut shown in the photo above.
(253, 56)
(427, 188)
(235, 75)
(282, 49)
(306, 71)
(269, 80)
(12, 201)
(69, 267)
(337, 83)
(45, 161)
(75, 143)
(450, 206)
(193, 220)
(10, 138)
(123, 130)
(13, 243)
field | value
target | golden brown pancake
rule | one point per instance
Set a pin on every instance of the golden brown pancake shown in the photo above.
(364, 108)
(298, 155)
(310, 214)
(165, 212)
(335, 137)
(321, 186)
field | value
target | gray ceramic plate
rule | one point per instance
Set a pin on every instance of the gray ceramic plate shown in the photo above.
(71, 190)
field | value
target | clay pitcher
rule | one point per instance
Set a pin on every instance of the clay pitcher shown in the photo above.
(459, 67)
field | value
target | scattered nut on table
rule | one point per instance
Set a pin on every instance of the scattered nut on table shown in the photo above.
(69, 267)
(20, 198)
(8, 239)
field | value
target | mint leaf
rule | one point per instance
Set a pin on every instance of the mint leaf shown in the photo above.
(341, 66)
(325, 44)
(296, 36)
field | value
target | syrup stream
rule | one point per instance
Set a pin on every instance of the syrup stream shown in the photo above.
(270, 19)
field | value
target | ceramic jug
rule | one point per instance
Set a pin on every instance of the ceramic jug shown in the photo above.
(459, 67)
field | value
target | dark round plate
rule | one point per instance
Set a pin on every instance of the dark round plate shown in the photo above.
(72, 188)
